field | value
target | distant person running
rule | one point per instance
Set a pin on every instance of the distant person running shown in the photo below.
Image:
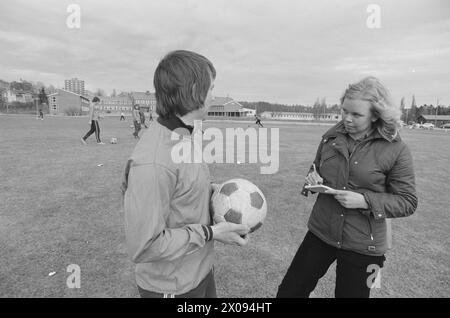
(136, 121)
(142, 118)
(41, 115)
(150, 118)
(258, 121)
(122, 116)
(94, 116)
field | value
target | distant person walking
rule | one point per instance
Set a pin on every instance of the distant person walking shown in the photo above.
(122, 116)
(41, 115)
(136, 121)
(94, 116)
(142, 117)
(258, 121)
(150, 118)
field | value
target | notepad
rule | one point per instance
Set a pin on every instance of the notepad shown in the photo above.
(318, 188)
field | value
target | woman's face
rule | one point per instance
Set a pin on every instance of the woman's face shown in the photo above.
(357, 116)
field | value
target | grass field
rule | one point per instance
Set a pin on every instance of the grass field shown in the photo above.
(58, 207)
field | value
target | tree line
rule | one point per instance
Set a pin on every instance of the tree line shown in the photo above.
(319, 107)
(408, 114)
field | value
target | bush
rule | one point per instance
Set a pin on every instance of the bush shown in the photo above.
(72, 111)
(19, 108)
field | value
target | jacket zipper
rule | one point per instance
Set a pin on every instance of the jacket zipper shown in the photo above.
(348, 170)
(370, 228)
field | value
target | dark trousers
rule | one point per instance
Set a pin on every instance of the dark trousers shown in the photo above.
(206, 289)
(137, 128)
(122, 117)
(94, 128)
(312, 261)
(143, 122)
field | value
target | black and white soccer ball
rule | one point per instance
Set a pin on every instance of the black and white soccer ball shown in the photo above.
(240, 201)
(113, 140)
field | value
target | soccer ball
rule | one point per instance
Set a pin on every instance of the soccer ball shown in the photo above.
(113, 140)
(240, 201)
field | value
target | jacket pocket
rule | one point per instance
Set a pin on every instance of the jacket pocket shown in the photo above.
(329, 167)
(327, 157)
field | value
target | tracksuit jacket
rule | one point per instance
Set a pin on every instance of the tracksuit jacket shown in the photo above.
(166, 206)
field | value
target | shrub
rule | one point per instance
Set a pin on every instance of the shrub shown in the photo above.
(72, 111)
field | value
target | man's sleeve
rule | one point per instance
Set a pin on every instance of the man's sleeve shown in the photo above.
(147, 207)
(400, 199)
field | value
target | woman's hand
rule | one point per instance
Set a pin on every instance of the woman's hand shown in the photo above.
(313, 177)
(349, 199)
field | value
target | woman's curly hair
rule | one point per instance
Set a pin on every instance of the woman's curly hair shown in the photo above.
(383, 108)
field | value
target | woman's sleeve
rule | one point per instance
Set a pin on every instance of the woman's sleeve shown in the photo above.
(316, 161)
(400, 200)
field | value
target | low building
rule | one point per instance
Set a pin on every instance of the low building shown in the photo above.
(145, 100)
(301, 116)
(4, 85)
(116, 105)
(89, 95)
(228, 107)
(67, 103)
(250, 112)
(437, 120)
(11, 95)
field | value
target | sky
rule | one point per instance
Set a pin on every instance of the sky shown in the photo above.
(279, 51)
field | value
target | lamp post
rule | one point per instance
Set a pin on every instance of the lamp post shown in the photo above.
(435, 117)
(36, 102)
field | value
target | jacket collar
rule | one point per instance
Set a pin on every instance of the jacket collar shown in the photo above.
(173, 122)
(339, 128)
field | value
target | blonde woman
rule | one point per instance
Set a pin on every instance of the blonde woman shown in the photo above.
(364, 159)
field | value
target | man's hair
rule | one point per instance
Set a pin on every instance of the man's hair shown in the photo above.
(182, 80)
(95, 99)
(382, 106)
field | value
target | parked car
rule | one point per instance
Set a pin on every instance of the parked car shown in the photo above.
(414, 126)
(446, 126)
(428, 126)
